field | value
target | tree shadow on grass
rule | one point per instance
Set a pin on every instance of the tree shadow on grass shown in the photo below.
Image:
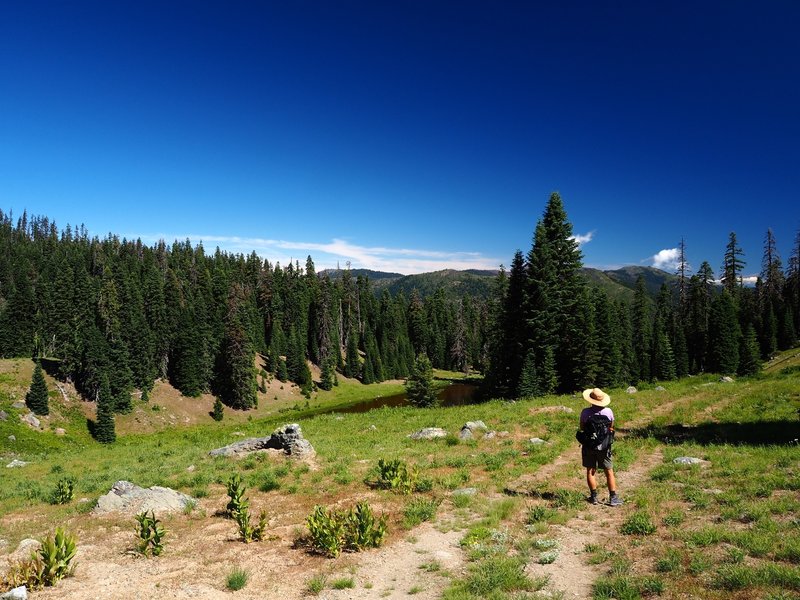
(757, 433)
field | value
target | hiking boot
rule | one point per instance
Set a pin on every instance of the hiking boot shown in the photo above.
(615, 501)
(592, 499)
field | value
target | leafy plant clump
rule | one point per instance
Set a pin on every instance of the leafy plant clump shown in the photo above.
(397, 476)
(218, 412)
(46, 566)
(332, 531)
(239, 510)
(151, 534)
(64, 491)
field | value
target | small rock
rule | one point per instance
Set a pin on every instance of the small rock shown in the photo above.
(725, 379)
(12, 438)
(428, 433)
(238, 433)
(709, 383)
(191, 468)
(661, 388)
(16, 463)
(465, 491)
(61, 431)
(18, 593)
(18, 405)
(31, 420)
(687, 460)
(3, 415)
(372, 428)
(473, 425)
(24, 550)
(503, 434)
(465, 434)
(339, 418)
(631, 390)
(536, 441)
(490, 435)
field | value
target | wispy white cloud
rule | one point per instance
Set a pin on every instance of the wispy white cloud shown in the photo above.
(337, 251)
(750, 280)
(666, 259)
(583, 239)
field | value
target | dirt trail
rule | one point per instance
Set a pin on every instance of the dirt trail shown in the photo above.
(570, 573)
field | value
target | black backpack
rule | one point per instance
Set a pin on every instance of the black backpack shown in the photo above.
(596, 433)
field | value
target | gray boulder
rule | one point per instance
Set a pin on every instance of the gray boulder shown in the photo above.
(24, 550)
(18, 405)
(465, 434)
(688, 460)
(470, 491)
(661, 388)
(470, 427)
(16, 464)
(31, 420)
(129, 498)
(726, 379)
(631, 390)
(536, 441)
(12, 438)
(18, 593)
(288, 438)
(428, 433)
(61, 431)
(3, 415)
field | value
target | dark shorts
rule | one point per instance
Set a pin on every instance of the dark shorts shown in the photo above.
(593, 459)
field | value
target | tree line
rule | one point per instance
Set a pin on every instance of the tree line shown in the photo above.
(551, 332)
(116, 315)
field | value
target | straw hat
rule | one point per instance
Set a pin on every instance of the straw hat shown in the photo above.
(597, 397)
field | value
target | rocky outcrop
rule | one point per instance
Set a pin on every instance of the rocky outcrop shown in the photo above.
(288, 439)
(18, 593)
(129, 498)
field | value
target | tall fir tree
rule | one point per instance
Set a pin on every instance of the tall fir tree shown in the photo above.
(732, 265)
(36, 398)
(724, 335)
(419, 385)
(642, 329)
(749, 353)
(105, 431)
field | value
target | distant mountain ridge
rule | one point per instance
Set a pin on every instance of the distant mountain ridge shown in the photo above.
(618, 283)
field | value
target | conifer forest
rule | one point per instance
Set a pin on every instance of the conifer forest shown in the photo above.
(114, 315)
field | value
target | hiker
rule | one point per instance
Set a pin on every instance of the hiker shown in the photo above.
(596, 436)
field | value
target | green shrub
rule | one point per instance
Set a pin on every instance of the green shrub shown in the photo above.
(150, 533)
(331, 531)
(316, 584)
(397, 476)
(64, 491)
(249, 532)
(638, 523)
(218, 413)
(418, 511)
(343, 583)
(670, 562)
(673, 518)
(537, 514)
(237, 579)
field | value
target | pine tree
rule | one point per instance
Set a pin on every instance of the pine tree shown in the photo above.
(528, 380)
(749, 360)
(237, 381)
(419, 385)
(352, 366)
(104, 431)
(700, 287)
(642, 332)
(328, 376)
(724, 335)
(36, 398)
(732, 265)
(218, 412)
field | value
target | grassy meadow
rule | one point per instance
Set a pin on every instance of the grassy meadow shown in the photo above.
(728, 527)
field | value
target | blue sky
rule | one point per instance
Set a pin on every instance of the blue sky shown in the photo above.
(407, 136)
